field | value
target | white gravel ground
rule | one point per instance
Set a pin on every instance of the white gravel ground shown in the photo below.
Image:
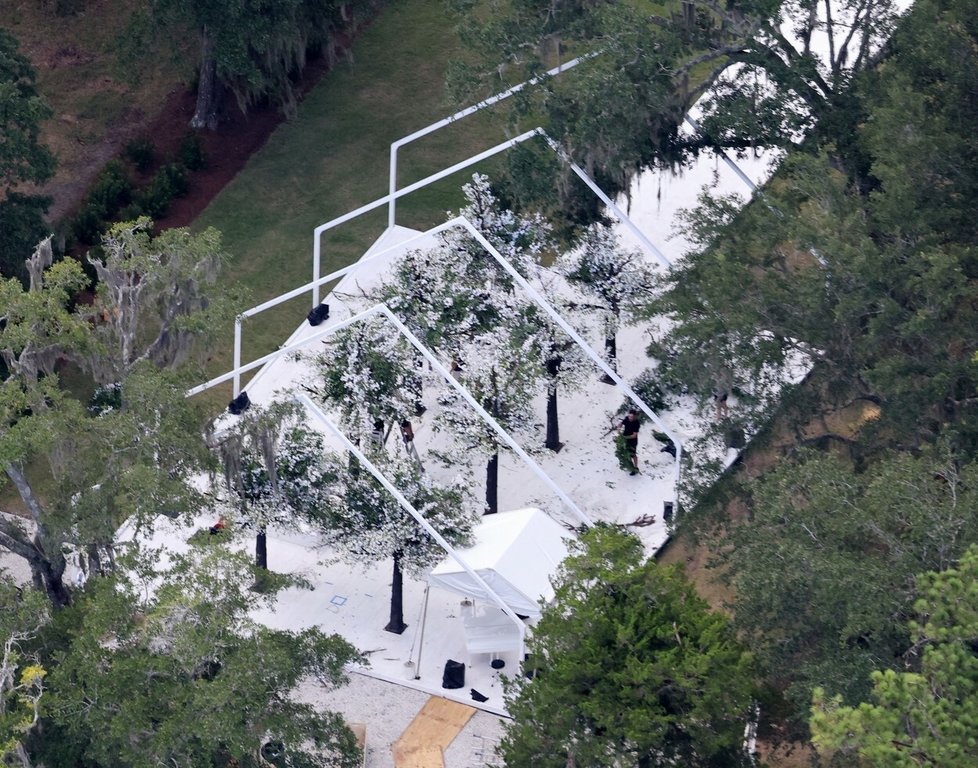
(387, 710)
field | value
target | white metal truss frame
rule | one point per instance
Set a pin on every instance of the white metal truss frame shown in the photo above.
(535, 296)
(383, 309)
(390, 200)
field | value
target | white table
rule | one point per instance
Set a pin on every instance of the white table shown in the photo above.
(491, 631)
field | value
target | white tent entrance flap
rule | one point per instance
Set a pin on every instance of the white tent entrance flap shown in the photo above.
(515, 553)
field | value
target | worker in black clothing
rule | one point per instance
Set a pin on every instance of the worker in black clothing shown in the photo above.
(629, 431)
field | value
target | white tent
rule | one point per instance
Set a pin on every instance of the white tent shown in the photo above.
(515, 553)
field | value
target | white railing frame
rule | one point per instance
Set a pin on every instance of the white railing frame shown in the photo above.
(386, 199)
(437, 126)
(725, 157)
(380, 201)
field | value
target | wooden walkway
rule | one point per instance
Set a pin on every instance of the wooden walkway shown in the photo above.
(431, 731)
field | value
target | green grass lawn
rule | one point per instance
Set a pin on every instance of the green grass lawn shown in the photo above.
(334, 156)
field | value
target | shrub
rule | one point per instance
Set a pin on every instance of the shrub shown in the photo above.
(191, 154)
(169, 182)
(142, 153)
(622, 454)
(112, 188)
(22, 227)
(89, 223)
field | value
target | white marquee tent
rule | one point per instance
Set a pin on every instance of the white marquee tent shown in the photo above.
(515, 553)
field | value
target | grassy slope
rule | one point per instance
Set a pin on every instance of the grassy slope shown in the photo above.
(334, 157)
(96, 105)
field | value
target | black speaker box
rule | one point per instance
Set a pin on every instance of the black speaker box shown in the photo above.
(318, 314)
(454, 675)
(240, 404)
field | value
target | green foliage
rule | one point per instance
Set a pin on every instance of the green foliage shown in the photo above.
(22, 110)
(927, 716)
(157, 298)
(825, 572)
(654, 392)
(115, 197)
(622, 454)
(369, 373)
(868, 278)
(170, 182)
(133, 460)
(274, 469)
(141, 153)
(202, 683)
(22, 227)
(108, 195)
(22, 615)
(112, 188)
(23, 158)
(190, 153)
(634, 669)
(368, 523)
(258, 48)
(619, 112)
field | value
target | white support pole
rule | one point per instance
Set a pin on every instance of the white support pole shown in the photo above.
(323, 419)
(557, 318)
(280, 352)
(470, 161)
(424, 623)
(461, 221)
(392, 189)
(237, 355)
(316, 255)
(382, 309)
(391, 196)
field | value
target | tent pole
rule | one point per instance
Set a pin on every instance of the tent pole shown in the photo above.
(424, 620)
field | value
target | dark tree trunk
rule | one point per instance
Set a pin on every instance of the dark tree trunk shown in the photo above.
(207, 112)
(553, 426)
(261, 549)
(47, 571)
(492, 484)
(396, 624)
(94, 559)
(51, 573)
(611, 357)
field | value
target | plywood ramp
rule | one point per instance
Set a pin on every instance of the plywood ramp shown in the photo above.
(431, 731)
(360, 733)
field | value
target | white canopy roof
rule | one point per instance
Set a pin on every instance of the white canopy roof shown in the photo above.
(515, 553)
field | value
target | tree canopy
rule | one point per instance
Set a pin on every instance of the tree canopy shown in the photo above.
(166, 667)
(630, 668)
(255, 48)
(23, 158)
(825, 571)
(132, 454)
(620, 111)
(866, 278)
(926, 715)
